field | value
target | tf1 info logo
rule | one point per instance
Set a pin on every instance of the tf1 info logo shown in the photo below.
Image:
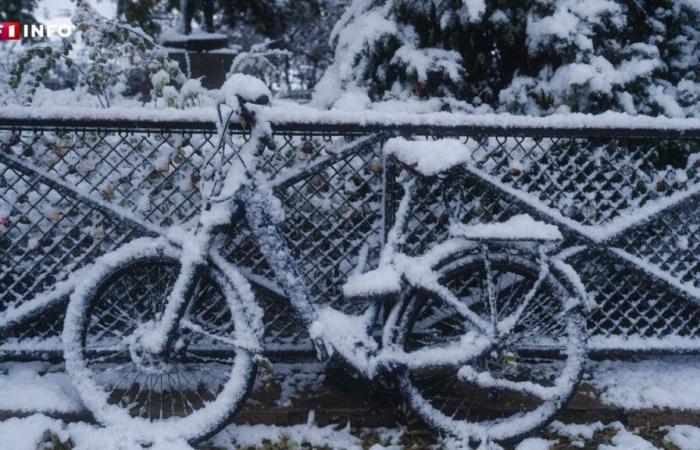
(13, 31)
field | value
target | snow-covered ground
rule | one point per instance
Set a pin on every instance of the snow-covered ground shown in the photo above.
(35, 431)
(670, 382)
(39, 432)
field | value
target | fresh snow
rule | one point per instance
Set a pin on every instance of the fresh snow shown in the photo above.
(430, 157)
(423, 61)
(31, 387)
(687, 287)
(581, 431)
(597, 233)
(383, 280)
(59, 12)
(284, 112)
(29, 434)
(655, 382)
(475, 9)
(170, 35)
(624, 440)
(247, 87)
(246, 436)
(291, 113)
(534, 444)
(26, 433)
(685, 437)
(114, 114)
(669, 382)
(32, 432)
(247, 330)
(519, 227)
(35, 431)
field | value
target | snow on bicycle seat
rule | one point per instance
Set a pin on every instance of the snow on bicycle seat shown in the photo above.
(430, 157)
(518, 228)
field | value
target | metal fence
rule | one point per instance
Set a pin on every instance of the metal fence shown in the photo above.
(127, 174)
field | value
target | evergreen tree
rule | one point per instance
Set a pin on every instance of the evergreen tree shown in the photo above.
(140, 14)
(527, 56)
(593, 56)
(17, 10)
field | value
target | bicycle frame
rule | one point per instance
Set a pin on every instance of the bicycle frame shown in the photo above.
(252, 197)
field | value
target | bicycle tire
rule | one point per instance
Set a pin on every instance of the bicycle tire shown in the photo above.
(401, 325)
(81, 319)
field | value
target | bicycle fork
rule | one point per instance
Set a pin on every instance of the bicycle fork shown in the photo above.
(161, 339)
(193, 263)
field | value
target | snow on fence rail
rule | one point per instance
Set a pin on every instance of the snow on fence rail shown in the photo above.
(61, 170)
(301, 118)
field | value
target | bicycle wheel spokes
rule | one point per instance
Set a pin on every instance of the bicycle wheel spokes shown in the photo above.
(497, 385)
(194, 372)
(532, 368)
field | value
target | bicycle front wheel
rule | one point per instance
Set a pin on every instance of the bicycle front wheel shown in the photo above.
(533, 368)
(194, 391)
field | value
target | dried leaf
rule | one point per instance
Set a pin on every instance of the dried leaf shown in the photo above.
(98, 233)
(108, 192)
(375, 165)
(307, 148)
(86, 167)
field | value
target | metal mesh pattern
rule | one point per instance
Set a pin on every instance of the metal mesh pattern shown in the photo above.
(670, 242)
(48, 233)
(152, 175)
(593, 184)
(632, 303)
(589, 180)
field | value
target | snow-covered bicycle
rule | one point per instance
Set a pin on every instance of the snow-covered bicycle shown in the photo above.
(163, 335)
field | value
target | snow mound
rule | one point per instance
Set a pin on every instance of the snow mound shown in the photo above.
(581, 431)
(24, 388)
(685, 437)
(534, 444)
(671, 382)
(251, 89)
(520, 227)
(247, 436)
(26, 433)
(430, 157)
(628, 441)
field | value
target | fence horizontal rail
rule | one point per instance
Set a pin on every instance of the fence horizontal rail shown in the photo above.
(302, 120)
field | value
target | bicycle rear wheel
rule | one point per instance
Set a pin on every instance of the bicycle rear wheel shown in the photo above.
(530, 374)
(205, 378)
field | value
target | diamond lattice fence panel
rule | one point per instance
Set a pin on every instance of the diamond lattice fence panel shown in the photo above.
(332, 213)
